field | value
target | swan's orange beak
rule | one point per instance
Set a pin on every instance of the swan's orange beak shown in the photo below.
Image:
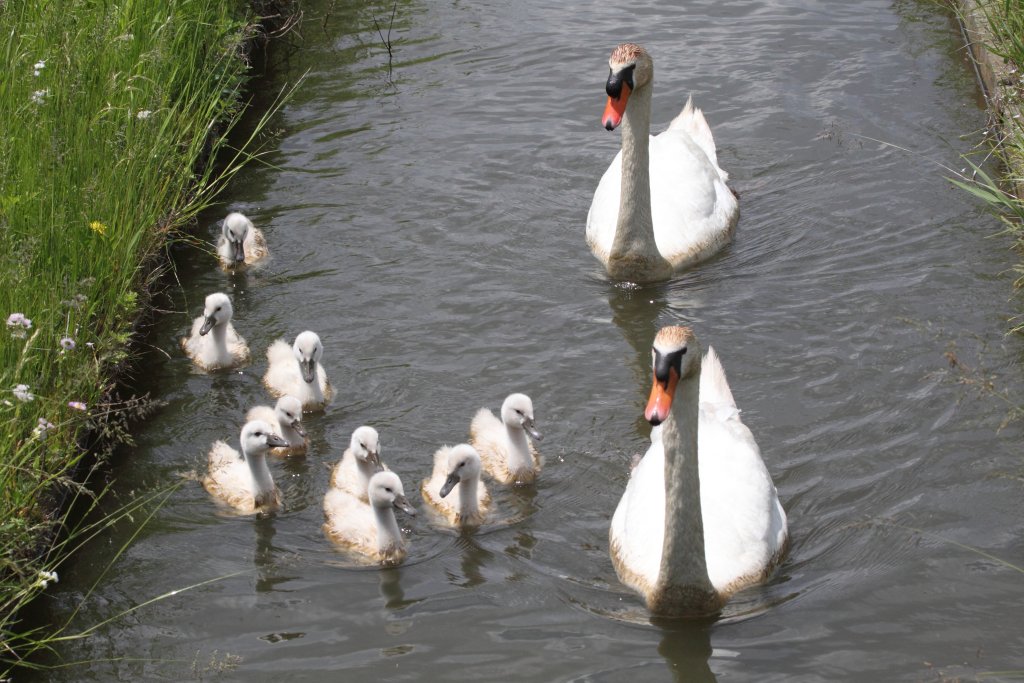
(660, 402)
(615, 108)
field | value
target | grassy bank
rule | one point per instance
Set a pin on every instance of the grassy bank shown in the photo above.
(998, 27)
(111, 112)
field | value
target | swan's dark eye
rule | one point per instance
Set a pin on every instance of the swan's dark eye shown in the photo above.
(683, 351)
(388, 489)
(462, 464)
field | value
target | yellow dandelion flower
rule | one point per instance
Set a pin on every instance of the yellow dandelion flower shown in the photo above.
(98, 228)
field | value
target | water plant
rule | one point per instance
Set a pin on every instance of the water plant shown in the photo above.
(1003, 21)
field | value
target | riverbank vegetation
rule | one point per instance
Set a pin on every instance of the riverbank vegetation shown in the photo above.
(1001, 30)
(112, 112)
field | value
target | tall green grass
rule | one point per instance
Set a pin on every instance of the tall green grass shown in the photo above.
(1005, 19)
(112, 113)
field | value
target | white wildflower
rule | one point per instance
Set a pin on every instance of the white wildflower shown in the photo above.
(39, 66)
(39, 96)
(22, 393)
(46, 578)
(143, 114)
(43, 429)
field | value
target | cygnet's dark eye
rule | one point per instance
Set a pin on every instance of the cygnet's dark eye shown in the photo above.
(388, 489)
(363, 446)
(462, 464)
(682, 352)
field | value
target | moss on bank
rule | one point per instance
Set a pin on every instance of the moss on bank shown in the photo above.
(111, 112)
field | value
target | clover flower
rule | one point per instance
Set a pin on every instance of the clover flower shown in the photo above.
(19, 320)
(67, 344)
(22, 393)
(43, 429)
(78, 405)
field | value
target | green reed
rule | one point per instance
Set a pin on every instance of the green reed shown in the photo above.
(113, 113)
(1005, 19)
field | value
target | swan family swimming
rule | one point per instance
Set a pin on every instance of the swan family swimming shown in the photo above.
(699, 518)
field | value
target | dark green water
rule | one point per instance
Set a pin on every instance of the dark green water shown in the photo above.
(428, 222)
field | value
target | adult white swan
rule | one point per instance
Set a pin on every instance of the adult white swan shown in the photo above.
(700, 518)
(663, 203)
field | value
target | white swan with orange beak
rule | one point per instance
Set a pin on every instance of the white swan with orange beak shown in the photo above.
(663, 204)
(700, 518)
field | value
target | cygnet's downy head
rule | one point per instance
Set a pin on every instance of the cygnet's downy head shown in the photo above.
(675, 355)
(517, 411)
(463, 463)
(308, 352)
(289, 412)
(365, 445)
(258, 437)
(385, 490)
(235, 228)
(218, 311)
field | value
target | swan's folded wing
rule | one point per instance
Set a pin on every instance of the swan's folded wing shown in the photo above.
(192, 344)
(744, 524)
(350, 522)
(692, 122)
(604, 210)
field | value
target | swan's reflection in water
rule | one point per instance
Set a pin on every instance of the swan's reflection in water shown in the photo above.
(686, 646)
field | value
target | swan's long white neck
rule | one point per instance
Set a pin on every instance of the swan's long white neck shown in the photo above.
(290, 435)
(634, 254)
(389, 537)
(263, 483)
(520, 461)
(217, 348)
(683, 586)
(316, 394)
(469, 507)
(365, 470)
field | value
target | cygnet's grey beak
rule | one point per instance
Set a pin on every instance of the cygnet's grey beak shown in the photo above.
(299, 429)
(374, 458)
(449, 484)
(531, 429)
(207, 325)
(308, 368)
(275, 441)
(238, 251)
(402, 504)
